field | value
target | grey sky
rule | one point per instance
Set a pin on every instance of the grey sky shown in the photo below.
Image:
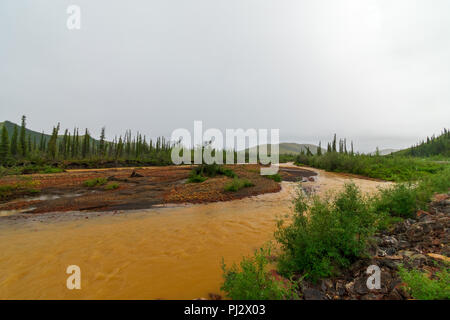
(377, 72)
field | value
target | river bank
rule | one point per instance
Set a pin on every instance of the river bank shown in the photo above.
(167, 252)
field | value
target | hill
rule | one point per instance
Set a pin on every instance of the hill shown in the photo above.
(34, 134)
(384, 152)
(432, 146)
(293, 148)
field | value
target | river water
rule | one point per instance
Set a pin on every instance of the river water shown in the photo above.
(163, 253)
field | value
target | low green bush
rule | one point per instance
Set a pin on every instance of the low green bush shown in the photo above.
(95, 182)
(251, 280)
(275, 177)
(112, 186)
(421, 287)
(212, 170)
(399, 200)
(237, 184)
(6, 191)
(195, 178)
(391, 168)
(325, 235)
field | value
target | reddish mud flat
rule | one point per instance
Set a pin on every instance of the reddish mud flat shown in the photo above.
(150, 186)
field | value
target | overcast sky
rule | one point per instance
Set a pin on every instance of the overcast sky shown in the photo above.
(376, 72)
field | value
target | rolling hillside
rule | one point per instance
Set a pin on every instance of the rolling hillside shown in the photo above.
(294, 148)
(34, 134)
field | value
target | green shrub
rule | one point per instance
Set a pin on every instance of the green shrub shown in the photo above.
(95, 182)
(399, 200)
(423, 288)
(252, 281)
(112, 186)
(333, 234)
(212, 170)
(275, 177)
(195, 178)
(6, 191)
(403, 200)
(237, 184)
(385, 222)
(391, 168)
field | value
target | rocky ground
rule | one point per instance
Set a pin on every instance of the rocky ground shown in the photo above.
(421, 243)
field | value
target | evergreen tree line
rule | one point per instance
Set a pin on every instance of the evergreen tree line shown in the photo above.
(73, 146)
(434, 145)
(340, 146)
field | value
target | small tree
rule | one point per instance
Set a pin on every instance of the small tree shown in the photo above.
(14, 146)
(22, 139)
(4, 146)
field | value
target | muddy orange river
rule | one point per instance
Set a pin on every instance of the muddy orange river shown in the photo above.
(163, 253)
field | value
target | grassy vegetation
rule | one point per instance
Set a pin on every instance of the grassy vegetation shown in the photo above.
(195, 178)
(203, 171)
(25, 187)
(403, 200)
(112, 186)
(251, 280)
(421, 287)
(328, 235)
(333, 235)
(29, 169)
(275, 177)
(390, 168)
(237, 184)
(212, 170)
(95, 182)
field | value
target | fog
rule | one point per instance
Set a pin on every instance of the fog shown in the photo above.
(375, 72)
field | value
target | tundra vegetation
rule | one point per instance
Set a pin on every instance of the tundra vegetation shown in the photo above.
(325, 236)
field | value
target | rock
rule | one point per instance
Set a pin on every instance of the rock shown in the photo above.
(394, 295)
(439, 257)
(406, 253)
(389, 241)
(349, 287)
(403, 244)
(425, 218)
(340, 288)
(134, 174)
(311, 179)
(418, 260)
(214, 296)
(415, 233)
(313, 294)
(360, 286)
(326, 285)
(391, 263)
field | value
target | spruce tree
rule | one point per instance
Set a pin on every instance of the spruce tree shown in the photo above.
(52, 143)
(102, 143)
(22, 139)
(4, 146)
(14, 146)
(334, 144)
(319, 149)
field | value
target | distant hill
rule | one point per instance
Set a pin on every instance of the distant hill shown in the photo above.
(34, 134)
(384, 152)
(293, 148)
(436, 145)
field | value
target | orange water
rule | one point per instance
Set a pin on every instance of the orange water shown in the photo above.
(167, 253)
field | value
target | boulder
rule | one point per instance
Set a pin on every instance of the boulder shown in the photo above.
(313, 294)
